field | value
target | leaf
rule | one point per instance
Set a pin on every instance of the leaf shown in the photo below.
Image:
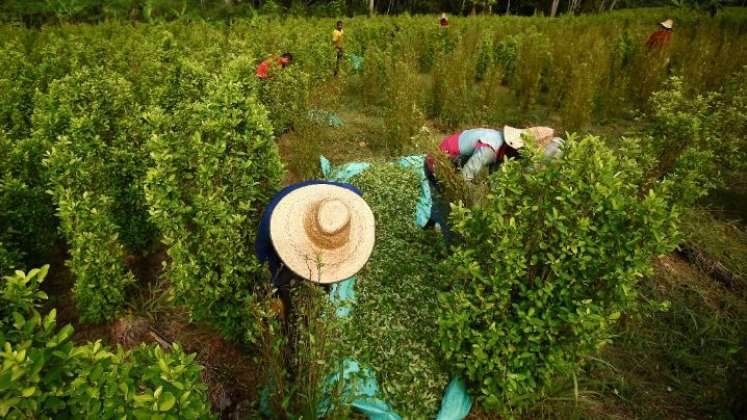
(26, 393)
(18, 320)
(167, 402)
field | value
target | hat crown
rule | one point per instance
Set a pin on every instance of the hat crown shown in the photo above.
(332, 216)
(327, 223)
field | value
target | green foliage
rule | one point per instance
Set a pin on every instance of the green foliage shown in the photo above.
(286, 97)
(215, 165)
(393, 322)
(95, 166)
(44, 375)
(89, 121)
(549, 261)
(697, 140)
(97, 257)
(401, 112)
(27, 223)
(717, 245)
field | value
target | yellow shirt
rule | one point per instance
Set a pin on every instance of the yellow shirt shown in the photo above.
(337, 38)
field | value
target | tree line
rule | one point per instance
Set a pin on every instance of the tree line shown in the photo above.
(39, 12)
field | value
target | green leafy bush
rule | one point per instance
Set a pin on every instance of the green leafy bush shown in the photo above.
(44, 375)
(96, 256)
(95, 167)
(28, 226)
(697, 140)
(215, 166)
(89, 121)
(548, 261)
(286, 97)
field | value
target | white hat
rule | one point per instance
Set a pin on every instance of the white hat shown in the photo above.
(323, 233)
(667, 23)
(512, 135)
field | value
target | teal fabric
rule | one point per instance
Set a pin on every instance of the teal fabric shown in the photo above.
(342, 296)
(456, 402)
(330, 118)
(341, 173)
(356, 62)
(425, 202)
(361, 389)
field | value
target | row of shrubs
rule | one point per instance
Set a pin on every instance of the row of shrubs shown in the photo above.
(114, 157)
(43, 374)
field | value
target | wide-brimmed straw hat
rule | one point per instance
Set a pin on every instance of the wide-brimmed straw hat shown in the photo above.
(323, 233)
(667, 23)
(543, 135)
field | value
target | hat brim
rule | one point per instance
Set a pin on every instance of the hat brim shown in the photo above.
(301, 255)
(512, 136)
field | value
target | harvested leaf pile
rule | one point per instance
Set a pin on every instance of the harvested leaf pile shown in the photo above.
(394, 321)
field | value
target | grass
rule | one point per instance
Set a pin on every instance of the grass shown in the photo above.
(681, 357)
(716, 246)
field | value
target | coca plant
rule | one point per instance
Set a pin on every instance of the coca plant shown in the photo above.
(43, 374)
(215, 166)
(95, 165)
(547, 262)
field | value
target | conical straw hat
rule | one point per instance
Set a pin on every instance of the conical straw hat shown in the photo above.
(667, 23)
(543, 135)
(323, 233)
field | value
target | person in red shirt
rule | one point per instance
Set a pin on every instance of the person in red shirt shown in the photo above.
(444, 21)
(264, 67)
(661, 38)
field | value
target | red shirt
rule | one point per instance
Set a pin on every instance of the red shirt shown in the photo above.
(265, 66)
(659, 39)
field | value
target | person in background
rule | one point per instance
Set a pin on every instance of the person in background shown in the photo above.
(444, 21)
(662, 36)
(319, 231)
(478, 148)
(264, 67)
(337, 35)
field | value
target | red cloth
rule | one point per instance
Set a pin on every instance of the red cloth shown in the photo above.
(659, 39)
(444, 22)
(450, 146)
(265, 66)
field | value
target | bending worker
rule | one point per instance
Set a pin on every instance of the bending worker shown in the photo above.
(662, 36)
(477, 148)
(315, 230)
(282, 61)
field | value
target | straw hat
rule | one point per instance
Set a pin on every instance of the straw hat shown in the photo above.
(543, 135)
(667, 23)
(323, 233)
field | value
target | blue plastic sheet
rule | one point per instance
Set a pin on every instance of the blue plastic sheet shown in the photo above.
(332, 119)
(456, 402)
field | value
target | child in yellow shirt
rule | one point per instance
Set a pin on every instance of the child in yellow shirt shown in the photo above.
(337, 42)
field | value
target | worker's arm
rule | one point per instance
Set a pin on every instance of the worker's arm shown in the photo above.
(482, 157)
